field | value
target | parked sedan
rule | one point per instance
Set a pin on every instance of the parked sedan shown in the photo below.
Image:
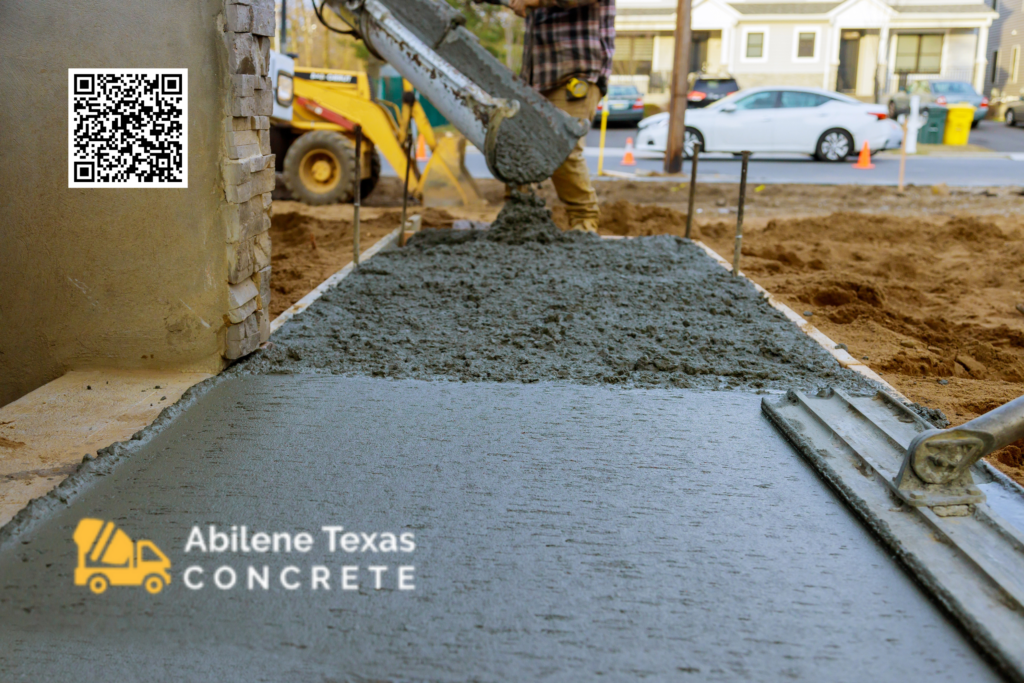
(706, 91)
(1014, 114)
(813, 121)
(625, 103)
(939, 93)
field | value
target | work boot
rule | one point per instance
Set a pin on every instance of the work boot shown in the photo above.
(584, 225)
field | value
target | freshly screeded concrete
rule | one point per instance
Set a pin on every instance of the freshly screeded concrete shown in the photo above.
(562, 531)
(526, 302)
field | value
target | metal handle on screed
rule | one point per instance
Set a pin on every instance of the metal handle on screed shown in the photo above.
(939, 456)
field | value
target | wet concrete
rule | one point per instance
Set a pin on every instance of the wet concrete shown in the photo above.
(563, 531)
(525, 302)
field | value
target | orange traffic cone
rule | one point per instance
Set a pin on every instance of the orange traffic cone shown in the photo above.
(421, 149)
(627, 158)
(864, 160)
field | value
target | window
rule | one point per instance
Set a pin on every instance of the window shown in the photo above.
(755, 45)
(760, 100)
(623, 91)
(919, 53)
(634, 55)
(793, 99)
(952, 88)
(805, 45)
(995, 66)
(1014, 63)
(148, 555)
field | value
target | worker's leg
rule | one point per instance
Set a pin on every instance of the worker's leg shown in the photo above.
(572, 179)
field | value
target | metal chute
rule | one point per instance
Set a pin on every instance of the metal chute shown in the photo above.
(523, 136)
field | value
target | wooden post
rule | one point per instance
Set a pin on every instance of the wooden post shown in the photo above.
(680, 89)
(358, 196)
(739, 216)
(693, 190)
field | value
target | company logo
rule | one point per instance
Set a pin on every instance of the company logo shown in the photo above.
(107, 556)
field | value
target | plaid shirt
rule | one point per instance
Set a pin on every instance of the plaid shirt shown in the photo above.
(567, 39)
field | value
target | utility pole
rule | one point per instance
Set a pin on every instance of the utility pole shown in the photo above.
(680, 89)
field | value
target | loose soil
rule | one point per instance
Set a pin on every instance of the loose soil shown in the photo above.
(923, 286)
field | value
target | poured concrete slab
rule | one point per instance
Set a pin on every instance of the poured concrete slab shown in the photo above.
(561, 531)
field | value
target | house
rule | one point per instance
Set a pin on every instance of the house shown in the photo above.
(865, 48)
(1003, 77)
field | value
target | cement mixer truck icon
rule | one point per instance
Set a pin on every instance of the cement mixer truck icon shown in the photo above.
(107, 556)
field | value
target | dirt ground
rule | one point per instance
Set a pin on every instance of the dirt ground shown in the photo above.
(923, 285)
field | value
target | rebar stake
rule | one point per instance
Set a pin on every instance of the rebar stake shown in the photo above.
(358, 195)
(739, 216)
(693, 189)
(405, 190)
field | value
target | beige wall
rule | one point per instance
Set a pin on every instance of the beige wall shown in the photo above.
(106, 277)
(867, 64)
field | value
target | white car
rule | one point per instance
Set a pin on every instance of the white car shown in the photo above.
(796, 120)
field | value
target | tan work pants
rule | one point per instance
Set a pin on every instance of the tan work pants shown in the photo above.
(572, 179)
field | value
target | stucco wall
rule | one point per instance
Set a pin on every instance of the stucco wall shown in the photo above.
(106, 277)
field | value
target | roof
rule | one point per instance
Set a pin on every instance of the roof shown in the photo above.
(934, 9)
(784, 7)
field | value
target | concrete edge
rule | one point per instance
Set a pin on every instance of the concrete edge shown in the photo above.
(106, 459)
(389, 240)
(845, 359)
(842, 356)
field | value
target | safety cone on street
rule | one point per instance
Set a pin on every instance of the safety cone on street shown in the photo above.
(627, 158)
(421, 149)
(864, 160)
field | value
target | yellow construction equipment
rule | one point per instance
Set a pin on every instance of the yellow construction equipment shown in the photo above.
(318, 146)
(107, 556)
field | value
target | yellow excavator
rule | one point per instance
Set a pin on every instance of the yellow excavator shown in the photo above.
(316, 143)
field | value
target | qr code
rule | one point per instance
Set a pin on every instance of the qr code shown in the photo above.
(128, 128)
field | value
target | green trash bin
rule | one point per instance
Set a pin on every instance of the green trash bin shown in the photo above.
(934, 127)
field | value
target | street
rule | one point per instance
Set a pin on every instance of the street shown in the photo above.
(1002, 167)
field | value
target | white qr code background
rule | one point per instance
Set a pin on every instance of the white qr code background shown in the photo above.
(128, 128)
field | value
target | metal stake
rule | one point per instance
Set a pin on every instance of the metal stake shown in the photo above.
(405, 190)
(693, 189)
(739, 216)
(358, 196)
(903, 154)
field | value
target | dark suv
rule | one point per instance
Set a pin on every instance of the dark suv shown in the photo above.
(707, 90)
